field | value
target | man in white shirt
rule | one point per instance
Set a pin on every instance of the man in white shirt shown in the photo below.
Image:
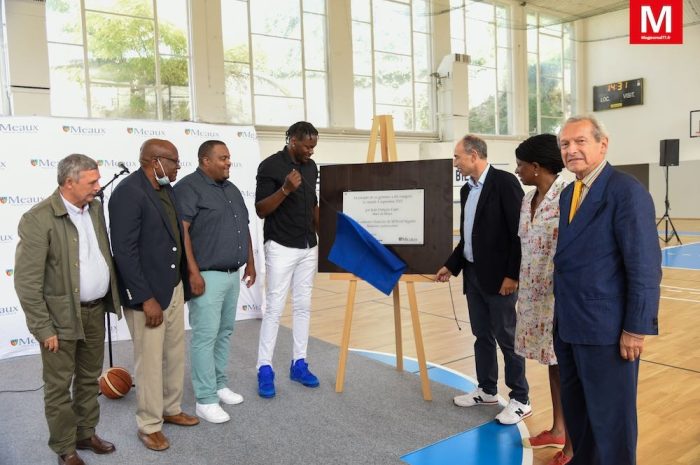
(64, 277)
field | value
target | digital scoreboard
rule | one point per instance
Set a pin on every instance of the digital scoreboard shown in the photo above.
(618, 94)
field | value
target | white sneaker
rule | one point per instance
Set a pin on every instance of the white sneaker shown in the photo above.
(477, 397)
(213, 413)
(229, 397)
(514, 412)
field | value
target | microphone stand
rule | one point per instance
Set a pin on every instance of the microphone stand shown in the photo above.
(101, 195)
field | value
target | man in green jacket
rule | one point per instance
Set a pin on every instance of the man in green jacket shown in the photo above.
(65, 280)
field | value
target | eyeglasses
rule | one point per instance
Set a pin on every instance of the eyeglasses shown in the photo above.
(177, 162)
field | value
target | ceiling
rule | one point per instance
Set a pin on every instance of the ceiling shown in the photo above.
(571, 10)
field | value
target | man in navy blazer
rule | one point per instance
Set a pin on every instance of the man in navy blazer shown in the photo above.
(147, 242)
(607, 273)
(488, 253)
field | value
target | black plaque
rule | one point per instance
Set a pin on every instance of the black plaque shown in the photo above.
(433, 176)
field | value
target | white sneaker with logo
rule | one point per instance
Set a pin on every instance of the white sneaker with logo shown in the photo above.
(213, 413)
(229, 397)
(477, 397)
(514, 412)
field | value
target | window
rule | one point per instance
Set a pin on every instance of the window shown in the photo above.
(4, 103)
(392, 62)
(482, 31)
(275, 61)
(550, 69)
(119, 58)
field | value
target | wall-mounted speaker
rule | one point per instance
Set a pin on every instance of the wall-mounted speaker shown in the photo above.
(669, 152)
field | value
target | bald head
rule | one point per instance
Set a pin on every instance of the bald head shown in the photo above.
(159, 160)
(155, 148)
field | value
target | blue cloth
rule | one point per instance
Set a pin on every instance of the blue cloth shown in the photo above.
(360, 253)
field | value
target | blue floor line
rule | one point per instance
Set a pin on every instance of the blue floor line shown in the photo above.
(683, 256)
(490, 443)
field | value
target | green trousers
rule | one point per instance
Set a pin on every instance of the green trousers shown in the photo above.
(72, 418)
(212, 316)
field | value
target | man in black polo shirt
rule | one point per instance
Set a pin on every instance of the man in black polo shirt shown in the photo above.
(286, 198)
(217, 244)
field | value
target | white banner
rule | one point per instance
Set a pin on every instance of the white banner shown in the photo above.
(31, 148)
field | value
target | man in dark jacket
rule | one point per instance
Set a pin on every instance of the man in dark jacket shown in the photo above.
(488, 253)
(151, 262)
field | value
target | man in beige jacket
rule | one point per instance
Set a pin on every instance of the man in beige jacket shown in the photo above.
(65, 280)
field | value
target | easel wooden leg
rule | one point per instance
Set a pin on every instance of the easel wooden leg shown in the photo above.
(382, 129)
(374, 133)
(345, 342)
(397, 329)
(418, 335)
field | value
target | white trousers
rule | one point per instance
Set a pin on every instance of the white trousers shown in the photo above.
(285, 266)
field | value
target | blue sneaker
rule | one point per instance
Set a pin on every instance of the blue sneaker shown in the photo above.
(266, 382)
(299, 371)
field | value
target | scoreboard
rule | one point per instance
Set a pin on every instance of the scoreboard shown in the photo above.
(618, 94)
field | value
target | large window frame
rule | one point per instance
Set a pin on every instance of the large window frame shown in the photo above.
(165, 65)
(266, 89)
(374, 93)
(547, 35)
(4, 72)
(491, 68)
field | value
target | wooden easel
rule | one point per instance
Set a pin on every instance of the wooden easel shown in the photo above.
(383, 128)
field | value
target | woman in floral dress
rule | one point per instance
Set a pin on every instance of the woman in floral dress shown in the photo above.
(538, 164)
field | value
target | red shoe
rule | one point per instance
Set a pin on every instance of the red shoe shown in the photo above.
(560, 459)
(544, 439)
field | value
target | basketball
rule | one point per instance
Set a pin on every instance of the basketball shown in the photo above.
(115, 383)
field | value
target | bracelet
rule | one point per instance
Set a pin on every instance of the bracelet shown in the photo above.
(284, 192)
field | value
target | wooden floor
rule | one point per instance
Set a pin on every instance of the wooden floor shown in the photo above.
(669, 380)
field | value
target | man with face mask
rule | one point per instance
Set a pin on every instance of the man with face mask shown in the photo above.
(147, 242)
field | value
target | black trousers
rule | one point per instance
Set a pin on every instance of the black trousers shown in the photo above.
(492, 319)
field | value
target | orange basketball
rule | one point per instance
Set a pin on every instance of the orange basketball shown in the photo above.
(115, 383)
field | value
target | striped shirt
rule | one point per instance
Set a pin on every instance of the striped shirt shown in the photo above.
(588, 181)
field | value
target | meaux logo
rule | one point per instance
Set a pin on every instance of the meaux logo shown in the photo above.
(84, 130)
(18, 200)
(201, 133)
(145, 132)
(18, 128)
(43, 163)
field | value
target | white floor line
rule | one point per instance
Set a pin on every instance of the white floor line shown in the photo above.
(664, 286)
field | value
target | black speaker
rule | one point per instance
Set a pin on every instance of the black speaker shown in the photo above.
(669, 152)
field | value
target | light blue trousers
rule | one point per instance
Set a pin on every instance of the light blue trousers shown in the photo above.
(212, 316)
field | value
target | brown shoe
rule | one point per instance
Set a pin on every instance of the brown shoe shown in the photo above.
(154, 441)
(70, 459)
(181, 419)
(95, 444)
